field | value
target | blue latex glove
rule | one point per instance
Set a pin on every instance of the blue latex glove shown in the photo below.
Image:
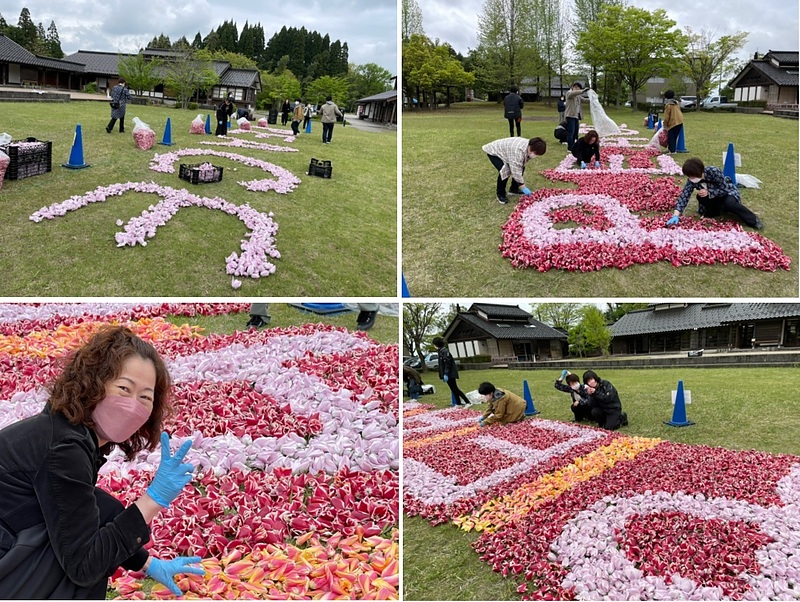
(164, 571)
(526, 190)
(583, 164)
(445, 378)
(564, 374)
(597, 163)
(672, 221)
(480, 420)
(172, 476)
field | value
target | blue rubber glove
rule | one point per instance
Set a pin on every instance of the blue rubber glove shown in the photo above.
(445, 378)
(597, 163)
(526, 190)
(480, 420)
(172, 476)
(564, 374)
(672, 221)
(583, 164)
(164, 571)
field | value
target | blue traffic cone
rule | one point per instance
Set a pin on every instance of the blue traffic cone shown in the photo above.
(453, 399)
(167, 141)
(76, 154)
(679, 412)
(658, 127)
(729, 169)
(229, 124)
(308, 127)
(649, 121)
(680, 147)
(526, 393)
(208, 124)
(404, 288)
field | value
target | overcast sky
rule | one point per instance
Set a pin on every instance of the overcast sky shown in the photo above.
(773, 24)
(368, 26)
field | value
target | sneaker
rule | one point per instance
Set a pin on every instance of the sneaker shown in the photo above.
(516, 192)
(108, 131)
(759, 225)
(624, 419)
(365, 320)
(503, 200)
(257, 322)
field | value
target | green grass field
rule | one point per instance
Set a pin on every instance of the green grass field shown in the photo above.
(745, 408)
(452, 221)
(337, 236)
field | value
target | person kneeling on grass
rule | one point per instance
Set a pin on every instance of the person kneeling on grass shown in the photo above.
(570, 383)
(509, 156)
(715, 194)
(586, 148)
(606, 408)
(504, 407)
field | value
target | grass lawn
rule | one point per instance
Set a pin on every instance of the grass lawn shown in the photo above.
(745, 408)
(452, 221)
(322, 226)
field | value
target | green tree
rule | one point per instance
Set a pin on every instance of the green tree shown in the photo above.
(40, 45)
(557, 315)
(366, 80)
(237, 61)
(141, 75)
(181, 44)
(411, 20)
(53, 43)
(616, 310)
(161, 42)
(322, 87)
(419, 322)
(186, 75)
(197, 43)
(590, 335)
(506, 43)
(26, 31)
(587, 12)
(704, 56)
(430, 67)
(636, 43)
(228, 36)
(276, 87)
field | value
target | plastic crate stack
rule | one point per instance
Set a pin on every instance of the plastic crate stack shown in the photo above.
(29, 157)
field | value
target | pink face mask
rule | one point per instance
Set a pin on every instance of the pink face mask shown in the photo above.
(117, 418)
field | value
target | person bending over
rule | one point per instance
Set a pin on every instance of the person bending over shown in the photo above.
(504, 407)
(510, 156)
(587, 147)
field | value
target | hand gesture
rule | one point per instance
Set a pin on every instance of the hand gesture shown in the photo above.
(172, 476)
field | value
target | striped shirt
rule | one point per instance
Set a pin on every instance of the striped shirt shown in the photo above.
(514, 154)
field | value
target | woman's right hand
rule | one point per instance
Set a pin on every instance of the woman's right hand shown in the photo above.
(172, 476)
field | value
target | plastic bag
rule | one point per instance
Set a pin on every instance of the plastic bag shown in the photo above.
(244, 124)
(143, 135)
(5, 161)
(602, 123)
(262, 123)
(656, 139)
(198, 125)
(5, 138)
(748, 181)
(474, 396)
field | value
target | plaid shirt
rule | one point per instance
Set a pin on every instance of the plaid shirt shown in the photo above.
(514, 153)
(718, 185)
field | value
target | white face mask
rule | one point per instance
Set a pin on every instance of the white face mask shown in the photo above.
(694, 180)
(575, 386)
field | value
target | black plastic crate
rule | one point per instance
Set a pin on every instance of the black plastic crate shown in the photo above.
(320, 169)
(28, 161)
(193, 174)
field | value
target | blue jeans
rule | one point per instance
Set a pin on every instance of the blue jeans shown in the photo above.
(572, 131)
(327, 132)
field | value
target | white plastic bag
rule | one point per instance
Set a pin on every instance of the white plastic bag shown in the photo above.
(654, 140)
(474, 397)
(143, 134)
(244, 123)
(5, 139)
(5, 161)
(198, 125)
(602, 123)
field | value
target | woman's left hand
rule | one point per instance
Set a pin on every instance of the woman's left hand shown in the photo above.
(164, 571)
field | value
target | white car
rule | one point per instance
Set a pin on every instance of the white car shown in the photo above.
(688, 102)
(432, 361)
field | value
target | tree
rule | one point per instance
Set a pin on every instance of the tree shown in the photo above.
(506, 43)
(586, 12)
(557, 315)
(616, 310)
(366, 80)
(140, 74)
(53, 43)
(276, 87)
(411, 20)
(430, 67)
(227, 36)
(181, 44)
(197, 43)
(237, 61)
(636, 43)
(548, 20)
(25, 33)
(186, 74)
(321, 88)
(161, 41)
(419, 320)
(704, 56)
(590, 335)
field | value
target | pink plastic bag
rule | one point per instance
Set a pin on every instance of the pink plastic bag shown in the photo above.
(143, 134)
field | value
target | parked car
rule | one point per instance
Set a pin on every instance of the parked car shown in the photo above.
(412, 362)
(718, 102)
(688, 102)
(432, 361)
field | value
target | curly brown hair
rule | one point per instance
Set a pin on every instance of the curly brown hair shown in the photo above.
(82, 384)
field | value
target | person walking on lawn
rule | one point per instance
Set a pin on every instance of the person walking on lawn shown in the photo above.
(448, 371)
(509, 156)
(512, 104)
(504, 407)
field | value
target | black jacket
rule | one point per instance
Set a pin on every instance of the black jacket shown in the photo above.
(605, 397)
(513, 106)
(584, 151)
(48, 472)
(447, 365)
(580, 396)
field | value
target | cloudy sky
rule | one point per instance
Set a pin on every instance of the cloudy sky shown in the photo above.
(368, 26)
(773, 24)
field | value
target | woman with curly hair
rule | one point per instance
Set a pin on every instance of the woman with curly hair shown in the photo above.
(60, 535)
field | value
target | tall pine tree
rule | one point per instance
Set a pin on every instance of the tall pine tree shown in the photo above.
(53, 43)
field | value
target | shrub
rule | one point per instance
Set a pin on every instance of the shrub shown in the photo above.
(192, 106)
(90, 88)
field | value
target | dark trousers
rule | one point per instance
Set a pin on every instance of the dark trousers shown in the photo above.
(458, 393)
(511, 122)
(573, 125)
(585, 156)
(111, 123)
(610, 419)
(501, 183)
(672, 137)
(581, 412)
(295, 127)
(284, 118)
(714, 206)
(327, 132)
